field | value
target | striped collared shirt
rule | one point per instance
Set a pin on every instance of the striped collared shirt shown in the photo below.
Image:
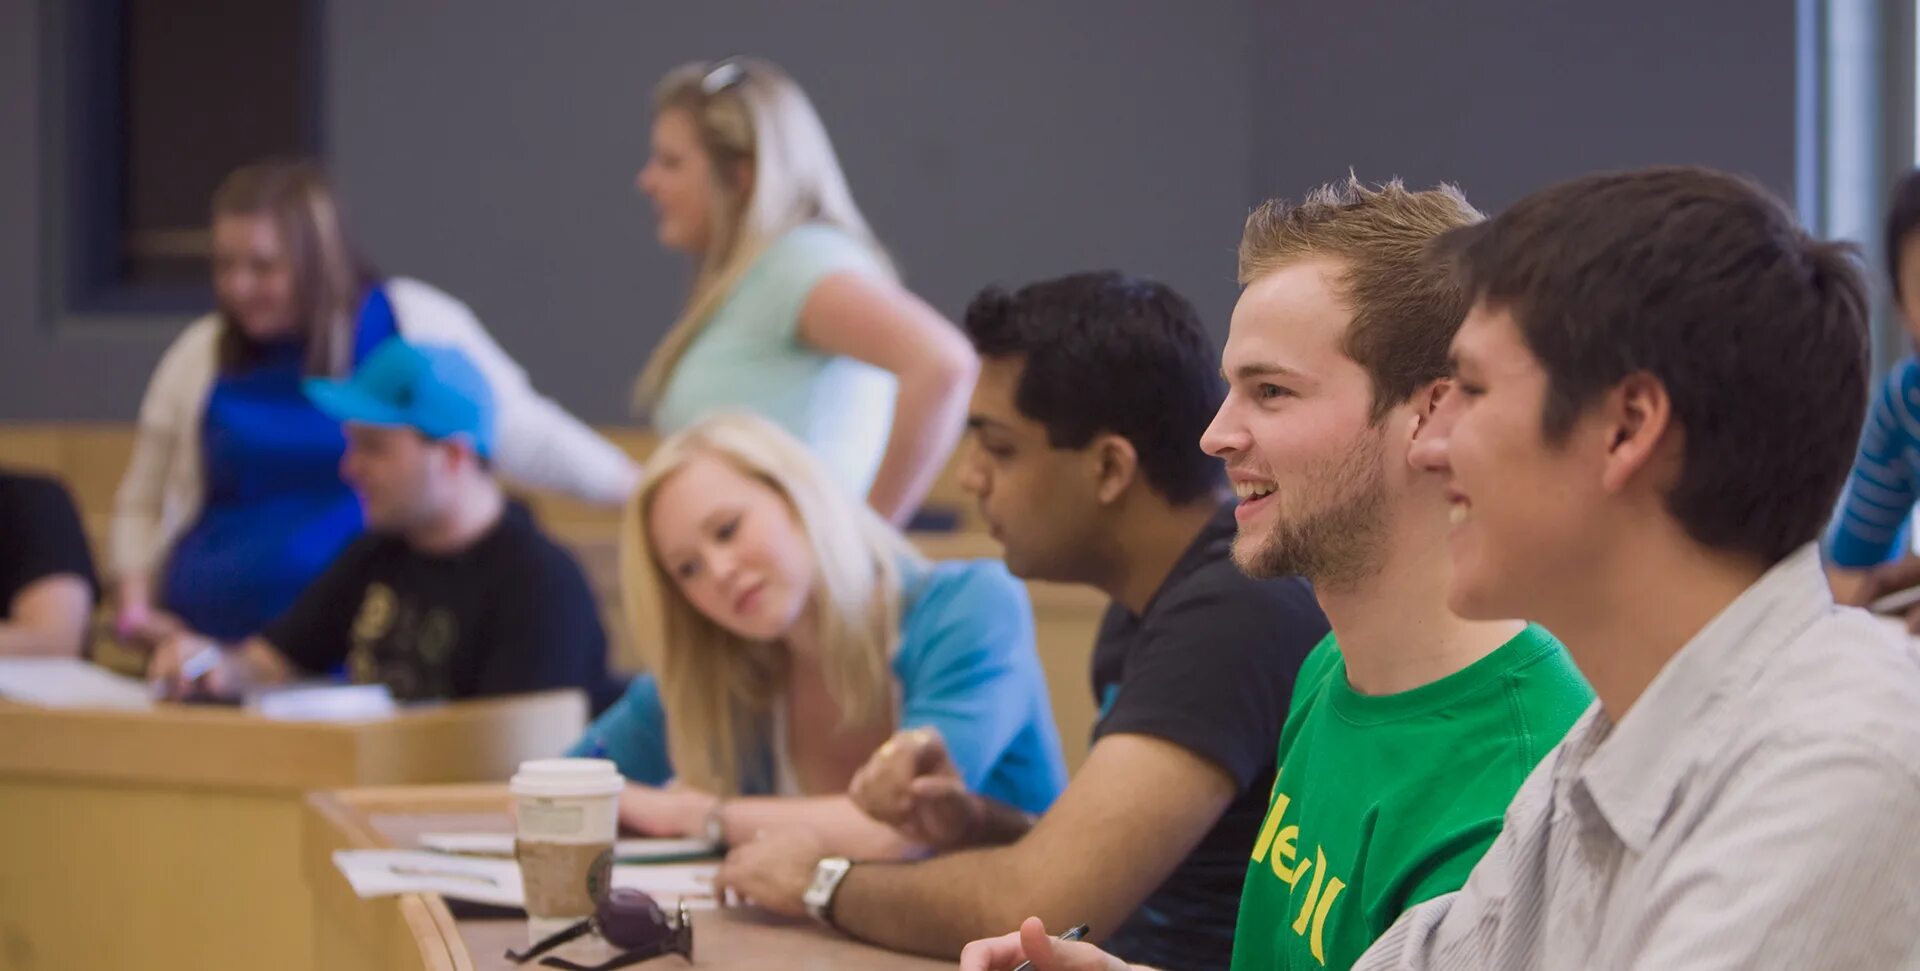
(1758, 807)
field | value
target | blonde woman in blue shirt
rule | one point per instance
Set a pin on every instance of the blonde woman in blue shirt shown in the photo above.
(795, 310)
(789, 633)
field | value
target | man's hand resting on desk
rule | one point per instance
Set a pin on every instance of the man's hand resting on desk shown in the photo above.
(181, 667)
(1031, 943)
(911, 784)
(771, 871)
(167, 669)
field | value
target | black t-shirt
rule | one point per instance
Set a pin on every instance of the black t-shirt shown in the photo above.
(40, 536)
(509, 614)
(1208, 667)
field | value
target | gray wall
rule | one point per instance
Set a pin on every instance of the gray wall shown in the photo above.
(1504, 96)
(489, 146)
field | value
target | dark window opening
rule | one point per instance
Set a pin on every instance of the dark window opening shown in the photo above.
(163, 99)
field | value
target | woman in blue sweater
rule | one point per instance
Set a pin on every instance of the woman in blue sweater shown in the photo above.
(790, 632)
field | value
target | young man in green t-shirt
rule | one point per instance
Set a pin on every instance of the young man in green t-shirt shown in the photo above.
(1410, 728)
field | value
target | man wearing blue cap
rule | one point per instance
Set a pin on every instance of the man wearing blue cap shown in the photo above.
(453, 593)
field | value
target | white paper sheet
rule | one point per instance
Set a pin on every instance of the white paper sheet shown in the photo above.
(379, 873)
(627, 850)
(64, 682)
(668, 882)
(325, 703)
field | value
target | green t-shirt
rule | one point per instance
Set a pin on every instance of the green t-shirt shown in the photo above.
(1386, 801)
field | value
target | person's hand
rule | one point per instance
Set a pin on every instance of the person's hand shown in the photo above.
(131, 618)
(911, 784)
(1031, 943)
(134, 618)
(672, 811)
(1901, 574)
(771, 871)
(166, 668)
(146, 628)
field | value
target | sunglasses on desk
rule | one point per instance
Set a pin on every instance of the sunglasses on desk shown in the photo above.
(627, 919)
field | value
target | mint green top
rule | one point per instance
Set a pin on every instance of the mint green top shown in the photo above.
(1384, 801)
(750, 357)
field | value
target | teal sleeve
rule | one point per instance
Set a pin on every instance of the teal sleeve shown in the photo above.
(633, 733)
(968, 669)
(788, 271)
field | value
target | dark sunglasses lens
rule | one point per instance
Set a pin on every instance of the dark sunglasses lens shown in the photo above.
(630, 919)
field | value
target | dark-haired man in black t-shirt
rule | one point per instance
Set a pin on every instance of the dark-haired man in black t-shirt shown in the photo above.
(1086, 423)
(47, 583)
(453, 593)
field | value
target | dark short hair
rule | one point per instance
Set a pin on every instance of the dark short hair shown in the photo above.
(1106, 352)
(1903, 221)
(1704, 281)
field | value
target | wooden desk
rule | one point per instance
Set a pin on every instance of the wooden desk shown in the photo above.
(416, 932)
(170, 839)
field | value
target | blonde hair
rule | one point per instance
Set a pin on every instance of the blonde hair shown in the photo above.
(717, 687)
(1406, 307)
(748, 110)
(327, 274)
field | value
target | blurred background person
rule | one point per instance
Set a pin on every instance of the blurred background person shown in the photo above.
(453, 592)
(1867, 543)
(47, 583)
(232, 502)
(795, 312)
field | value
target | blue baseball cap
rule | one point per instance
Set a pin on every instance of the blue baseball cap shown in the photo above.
(431, 388)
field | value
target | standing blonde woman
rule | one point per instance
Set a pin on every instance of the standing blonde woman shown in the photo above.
(233, 501)
(791, 631)
(795, 311)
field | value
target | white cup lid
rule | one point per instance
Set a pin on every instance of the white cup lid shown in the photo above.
(567, 777)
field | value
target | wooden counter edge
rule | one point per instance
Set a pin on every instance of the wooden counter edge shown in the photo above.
(340, 819)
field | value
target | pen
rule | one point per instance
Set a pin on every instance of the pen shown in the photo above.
(1072, 934)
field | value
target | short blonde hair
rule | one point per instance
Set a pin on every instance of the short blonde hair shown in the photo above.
(748, 110)
(717, 687)
(1406, 307)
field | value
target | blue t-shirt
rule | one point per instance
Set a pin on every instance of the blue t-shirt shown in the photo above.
(966, 667)
(750, 357)
(276, 512)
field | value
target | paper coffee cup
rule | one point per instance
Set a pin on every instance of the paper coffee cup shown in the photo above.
(568, 815)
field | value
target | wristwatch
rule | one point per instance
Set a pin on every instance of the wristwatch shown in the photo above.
(827, 875)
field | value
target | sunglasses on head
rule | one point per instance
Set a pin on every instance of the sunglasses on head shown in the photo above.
(627, 919)
(724, 74)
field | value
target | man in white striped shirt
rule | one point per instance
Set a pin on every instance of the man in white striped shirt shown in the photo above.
(1661, 383)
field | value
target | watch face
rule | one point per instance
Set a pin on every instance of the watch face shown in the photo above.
(826, 878)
